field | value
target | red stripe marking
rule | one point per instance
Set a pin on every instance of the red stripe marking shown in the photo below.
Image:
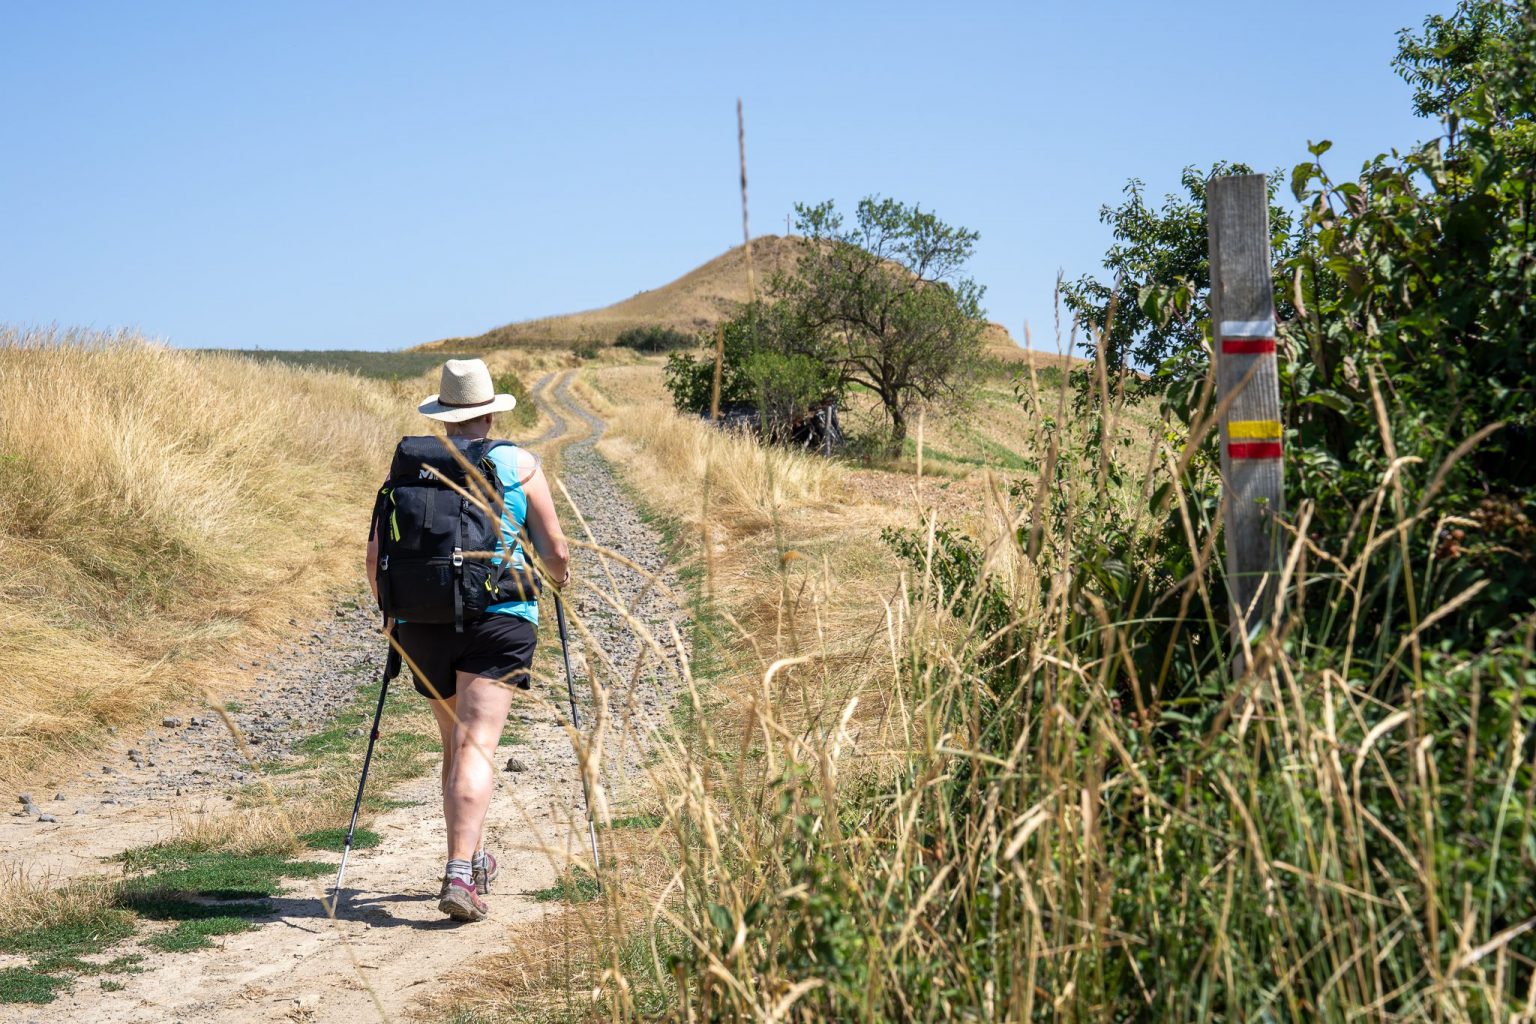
(1254, 449)
(1247, 346)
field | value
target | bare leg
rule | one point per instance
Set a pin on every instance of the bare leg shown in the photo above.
(482, 705)
(444, 712)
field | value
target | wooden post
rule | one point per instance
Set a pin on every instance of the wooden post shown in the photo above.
(1248, 389)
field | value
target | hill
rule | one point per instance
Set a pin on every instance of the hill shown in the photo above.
(696, 303)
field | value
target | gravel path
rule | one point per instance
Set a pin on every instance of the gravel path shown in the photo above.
(641, 689)
(391, 948)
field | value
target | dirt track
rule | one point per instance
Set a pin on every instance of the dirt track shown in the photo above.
(390, 948)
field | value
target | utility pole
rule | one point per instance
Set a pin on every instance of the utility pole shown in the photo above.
(1248, 390)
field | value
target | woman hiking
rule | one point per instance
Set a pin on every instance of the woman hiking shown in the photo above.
(465, 614)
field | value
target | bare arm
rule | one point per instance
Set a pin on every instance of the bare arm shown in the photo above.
(544, 528)
(373, 566)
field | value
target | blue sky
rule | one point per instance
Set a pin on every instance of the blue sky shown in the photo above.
(375, 175)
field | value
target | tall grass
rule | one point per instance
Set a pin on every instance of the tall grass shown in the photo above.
(157, 507)
(1044, 795)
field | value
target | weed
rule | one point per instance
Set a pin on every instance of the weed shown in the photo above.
(332, 838)
(25, 985)
(196, 933)
(638, 821)
(575, 886)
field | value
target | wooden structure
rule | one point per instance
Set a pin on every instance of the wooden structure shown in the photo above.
(1248, 393)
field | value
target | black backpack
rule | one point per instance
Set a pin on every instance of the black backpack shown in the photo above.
(436, 548)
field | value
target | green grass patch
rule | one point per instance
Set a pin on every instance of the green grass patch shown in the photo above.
(25, 985)
(198, 933)
(108, 985)
(575, 886)
(637, 821)
(210, 875)
(89, 933)
(332, 838)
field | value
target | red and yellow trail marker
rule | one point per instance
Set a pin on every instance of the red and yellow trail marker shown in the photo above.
(1253, 439)
(1248, 389)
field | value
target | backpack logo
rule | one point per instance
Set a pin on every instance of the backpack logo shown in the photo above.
(426, 474)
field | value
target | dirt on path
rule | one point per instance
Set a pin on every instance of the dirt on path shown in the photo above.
(389, 949)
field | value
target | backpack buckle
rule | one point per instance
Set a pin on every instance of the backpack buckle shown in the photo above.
(458, 557)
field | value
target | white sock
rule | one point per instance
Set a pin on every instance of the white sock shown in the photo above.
(478, 861)
(459, 869)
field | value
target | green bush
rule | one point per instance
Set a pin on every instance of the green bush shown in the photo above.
(524, 414)
(655, 338)
(1404, 301)
(762, 368)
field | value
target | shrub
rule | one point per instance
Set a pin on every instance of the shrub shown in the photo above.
(524, 414)
(655, 338)
(761, 369)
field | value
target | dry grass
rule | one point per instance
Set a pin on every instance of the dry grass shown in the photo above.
(935, 795)
(773, 532)
(158, 507)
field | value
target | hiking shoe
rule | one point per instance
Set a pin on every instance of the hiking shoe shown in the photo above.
(486, 875)
(461, 903)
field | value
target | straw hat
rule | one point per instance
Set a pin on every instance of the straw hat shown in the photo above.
(465, 392)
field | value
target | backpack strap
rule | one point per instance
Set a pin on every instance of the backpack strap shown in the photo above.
(493, 445)
(378, 507)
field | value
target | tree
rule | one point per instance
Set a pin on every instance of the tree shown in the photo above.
(1457, 54)
(771, 363)
(886, 303)
(1159, 276)
(1404, 298)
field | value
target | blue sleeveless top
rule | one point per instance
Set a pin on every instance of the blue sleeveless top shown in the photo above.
(513, 521)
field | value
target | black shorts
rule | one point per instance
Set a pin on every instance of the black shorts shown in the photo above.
(498, 646)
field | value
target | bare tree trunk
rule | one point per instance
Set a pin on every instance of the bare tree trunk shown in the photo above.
(898, 427)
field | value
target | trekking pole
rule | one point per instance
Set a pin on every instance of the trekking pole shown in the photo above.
(570, 688)
(391, 669)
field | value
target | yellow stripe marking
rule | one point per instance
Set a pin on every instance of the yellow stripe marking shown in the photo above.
(1254, 430)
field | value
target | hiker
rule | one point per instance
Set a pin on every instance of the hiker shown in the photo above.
(467, 622)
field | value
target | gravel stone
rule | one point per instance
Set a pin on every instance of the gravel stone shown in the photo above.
(47, 818)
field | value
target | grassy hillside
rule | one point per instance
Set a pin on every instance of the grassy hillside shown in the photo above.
(695, 303)
(156, 508)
